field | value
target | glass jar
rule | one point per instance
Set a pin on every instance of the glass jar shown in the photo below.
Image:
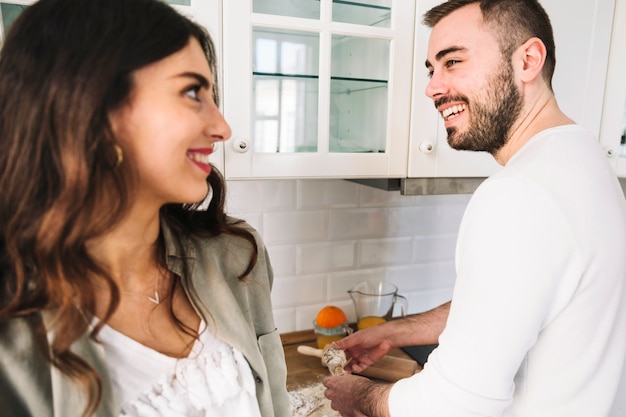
(327, 336)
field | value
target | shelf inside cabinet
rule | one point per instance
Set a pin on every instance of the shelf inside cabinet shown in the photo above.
(280, 74)
(348, 85)
(375, 13)
(361, 4)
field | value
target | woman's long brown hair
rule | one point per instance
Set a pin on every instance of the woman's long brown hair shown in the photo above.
(64, 66)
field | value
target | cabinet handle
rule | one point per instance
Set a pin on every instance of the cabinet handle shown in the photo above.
(240, 145)
(426, 147)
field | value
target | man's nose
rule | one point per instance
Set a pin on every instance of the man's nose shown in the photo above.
(436, 86)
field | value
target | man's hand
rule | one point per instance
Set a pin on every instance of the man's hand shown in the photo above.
(364, 347)
(356, 396)
(367, 346)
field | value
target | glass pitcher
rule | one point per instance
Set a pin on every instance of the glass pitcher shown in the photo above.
(374, 302)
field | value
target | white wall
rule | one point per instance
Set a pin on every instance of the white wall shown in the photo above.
(324, 236)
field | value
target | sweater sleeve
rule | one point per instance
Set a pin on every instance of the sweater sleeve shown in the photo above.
(516, 268)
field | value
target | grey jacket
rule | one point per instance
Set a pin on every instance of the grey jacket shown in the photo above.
(238, 312)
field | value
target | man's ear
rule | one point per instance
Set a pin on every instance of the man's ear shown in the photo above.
(532, 56)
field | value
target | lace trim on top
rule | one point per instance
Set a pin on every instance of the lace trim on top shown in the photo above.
(214, 380)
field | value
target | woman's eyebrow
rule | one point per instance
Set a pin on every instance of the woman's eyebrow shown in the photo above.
(201, 79)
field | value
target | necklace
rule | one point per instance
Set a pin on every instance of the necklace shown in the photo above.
(156, 298)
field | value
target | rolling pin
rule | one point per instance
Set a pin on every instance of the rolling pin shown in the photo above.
(389, 368)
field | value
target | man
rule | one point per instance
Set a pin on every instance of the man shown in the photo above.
(537, 322)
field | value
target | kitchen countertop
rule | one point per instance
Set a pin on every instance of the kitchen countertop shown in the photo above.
(305, 370)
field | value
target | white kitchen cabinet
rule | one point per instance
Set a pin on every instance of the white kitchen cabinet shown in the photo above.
(335, 88)
(582, 31)
(613, 129)
(317, 88)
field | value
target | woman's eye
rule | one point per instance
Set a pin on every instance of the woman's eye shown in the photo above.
(193, 92)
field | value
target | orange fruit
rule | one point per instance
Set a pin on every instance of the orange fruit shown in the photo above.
(330, 316)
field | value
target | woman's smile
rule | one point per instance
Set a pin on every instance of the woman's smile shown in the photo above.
(200, 157)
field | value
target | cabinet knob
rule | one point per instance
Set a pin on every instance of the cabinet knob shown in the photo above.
(426, 147)
(240, 145)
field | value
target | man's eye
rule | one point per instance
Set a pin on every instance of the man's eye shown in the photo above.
(451, 62)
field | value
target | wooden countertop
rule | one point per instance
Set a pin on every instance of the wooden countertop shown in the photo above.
(306, 370)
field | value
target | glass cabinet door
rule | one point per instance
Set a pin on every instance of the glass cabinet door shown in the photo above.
(295, 8)
(285, 90)
(316, 78)
(358, 94)
(9, 10)
(286, 80)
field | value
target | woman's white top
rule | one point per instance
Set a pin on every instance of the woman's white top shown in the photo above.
(214, 380)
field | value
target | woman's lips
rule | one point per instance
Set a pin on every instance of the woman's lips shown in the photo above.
(200, 157)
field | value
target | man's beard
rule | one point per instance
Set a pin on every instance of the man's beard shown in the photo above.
(491, 118)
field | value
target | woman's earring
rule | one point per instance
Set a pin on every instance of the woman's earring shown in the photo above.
(119, 153)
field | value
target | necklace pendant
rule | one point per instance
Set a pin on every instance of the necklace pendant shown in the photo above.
(156, 299)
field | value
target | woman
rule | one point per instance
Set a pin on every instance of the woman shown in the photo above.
(120, 295)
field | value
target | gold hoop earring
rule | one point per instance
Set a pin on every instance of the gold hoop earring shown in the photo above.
(120, 155)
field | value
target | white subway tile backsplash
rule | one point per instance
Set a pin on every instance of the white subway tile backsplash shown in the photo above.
(321, 257)
(285, 319)
(422, 277)
(442, 200)
(295, 292)
(450, 218)
(305, 315)
(325, 236)
(357, 223)
(434, 248)
(411, 221)
(261, 196)
(340, 282)
(283, 259)
(328, 194)
(295, 226)
(385, 252)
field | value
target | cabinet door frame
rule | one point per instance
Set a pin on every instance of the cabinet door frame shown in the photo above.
(614, 108)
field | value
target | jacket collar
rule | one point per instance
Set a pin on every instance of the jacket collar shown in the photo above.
(211, 296)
